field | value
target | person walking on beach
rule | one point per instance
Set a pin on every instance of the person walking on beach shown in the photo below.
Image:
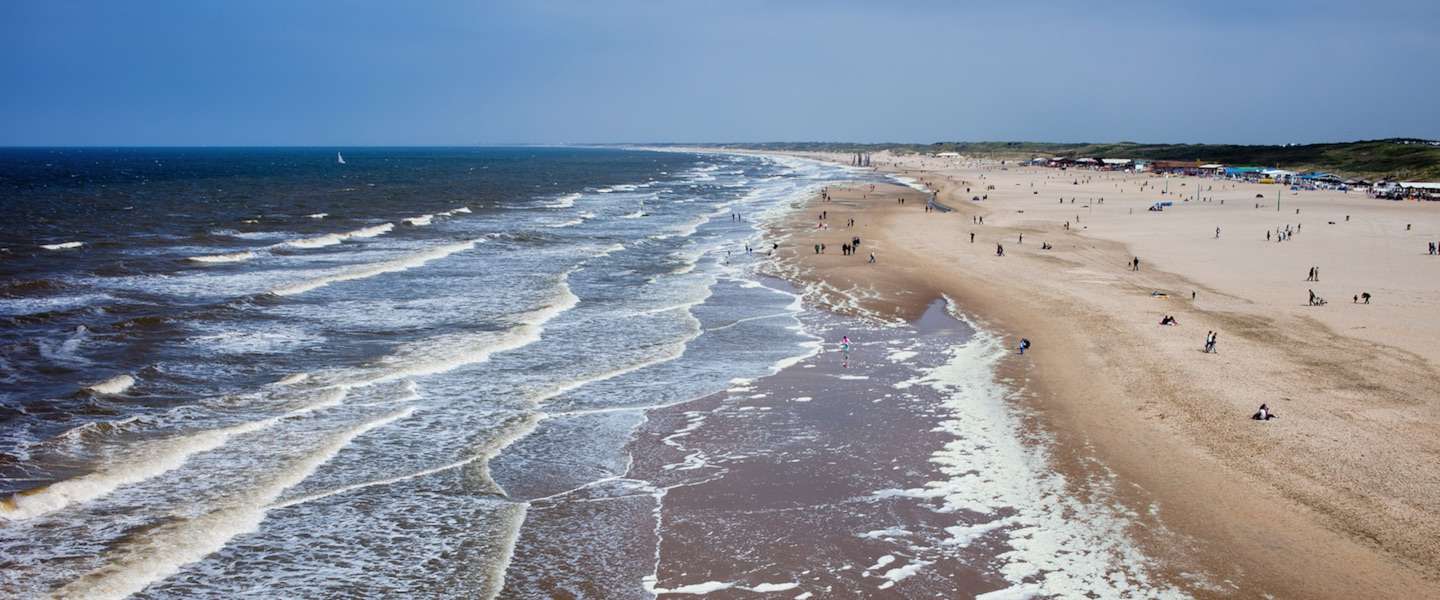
(1024, 345)
(1135, 264)
(972, 240)
(1217, 233)
(872, 258)
(999, 250)
(845, 351)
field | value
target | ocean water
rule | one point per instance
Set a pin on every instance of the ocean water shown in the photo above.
(258, 371)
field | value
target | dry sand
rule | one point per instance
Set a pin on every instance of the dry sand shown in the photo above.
(1339, 497)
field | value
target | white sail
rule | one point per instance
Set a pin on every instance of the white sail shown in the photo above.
(339, 159)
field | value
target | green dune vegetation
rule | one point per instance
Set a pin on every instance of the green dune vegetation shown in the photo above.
(1406, 159)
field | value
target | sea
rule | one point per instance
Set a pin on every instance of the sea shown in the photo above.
(262, 370)
(354, 372)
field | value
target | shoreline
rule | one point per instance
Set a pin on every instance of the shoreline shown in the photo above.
(1250, 515)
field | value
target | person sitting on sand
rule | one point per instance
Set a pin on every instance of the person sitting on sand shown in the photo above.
(1263, 414)
(1365, 297)
(1024, 345)
(1169, 320)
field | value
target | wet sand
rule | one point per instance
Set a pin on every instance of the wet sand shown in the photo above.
(1337, 498)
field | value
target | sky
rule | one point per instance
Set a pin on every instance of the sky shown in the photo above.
(446, 72)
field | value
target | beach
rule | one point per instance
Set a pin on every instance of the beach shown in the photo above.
(1337, 497)
(624, 373)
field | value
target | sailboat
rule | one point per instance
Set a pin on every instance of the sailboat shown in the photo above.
(339, 159)
(642, 208)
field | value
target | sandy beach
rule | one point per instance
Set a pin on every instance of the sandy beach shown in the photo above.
(1338, 497)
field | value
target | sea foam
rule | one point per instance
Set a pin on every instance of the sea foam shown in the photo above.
(390, 266)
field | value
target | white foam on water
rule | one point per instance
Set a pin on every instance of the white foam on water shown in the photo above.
(570, 223)
(419, 221)
(62, 245)
(372, 231)
(447, 352)
(224, 258)
(293, 379)
(1059, 544)
(390, 266)
(140, 462)
(66, 351)
(331, 239)
(709, 587)
(566, 201)
(884, 533)
(902, 355)
(1015, 592)
(30, 306)
(113, 385)
(900, 573)
(318, 215)
(161, 552)
(773, 587)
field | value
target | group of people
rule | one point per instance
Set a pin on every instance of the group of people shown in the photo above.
(1434, 248)
(1281, 233)
(1210, 342)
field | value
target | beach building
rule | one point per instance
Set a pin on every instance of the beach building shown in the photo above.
(1116, 164)
(1243, 173)
(1277, 176)
(1177, 167)
(1420, 190)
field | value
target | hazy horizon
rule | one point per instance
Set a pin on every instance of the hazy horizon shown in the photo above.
(369, 73)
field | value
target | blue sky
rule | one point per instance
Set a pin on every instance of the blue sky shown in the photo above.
(260, 72)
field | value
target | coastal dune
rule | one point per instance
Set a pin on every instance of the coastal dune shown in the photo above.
(1338, 497)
